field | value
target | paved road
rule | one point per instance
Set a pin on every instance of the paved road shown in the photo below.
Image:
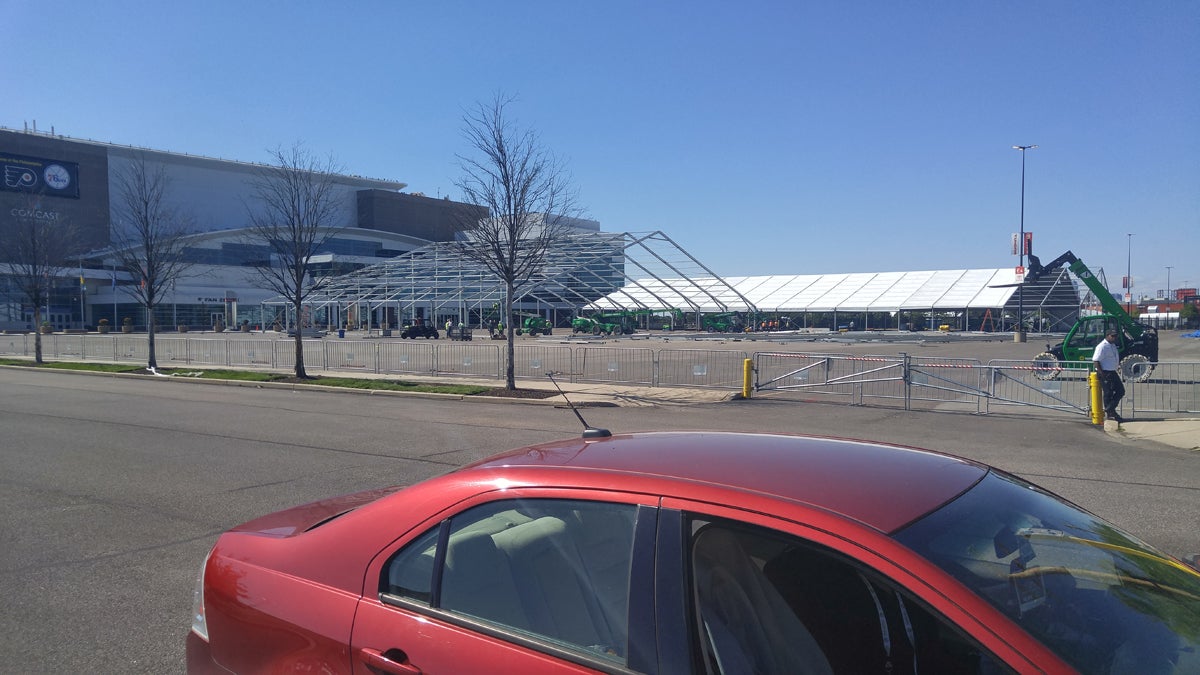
(113, 489)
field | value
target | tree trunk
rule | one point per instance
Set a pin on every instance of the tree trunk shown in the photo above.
(510, 377)
(151, 362)
(37, 334)
(300, 372)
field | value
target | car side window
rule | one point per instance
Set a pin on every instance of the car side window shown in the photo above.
(549, 569)
(766, 602)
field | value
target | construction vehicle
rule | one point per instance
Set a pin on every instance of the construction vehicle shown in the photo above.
(725, 322)
(534, 324)
(600, 324)
(617, 322)
(419, 328)
(1137, 343)
(587, 324)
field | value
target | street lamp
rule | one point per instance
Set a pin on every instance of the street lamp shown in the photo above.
(1019, 333)
(1129, 274)
(1169, 268)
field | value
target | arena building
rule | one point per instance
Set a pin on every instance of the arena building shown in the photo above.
(395, 261)
(71, 181)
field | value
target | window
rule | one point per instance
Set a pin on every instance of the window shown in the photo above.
(554, 570)
(767, 603)
(1101, 599)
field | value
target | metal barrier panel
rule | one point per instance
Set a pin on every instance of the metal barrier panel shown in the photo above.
(406, 356)
(534, 361)
(351, 355)
(69, 347)
(853, 377)
(256, 353)
(13, 344)
(171, 350)
(129, 348)
(629, 366)
(457, 358)
(1173, 387)
(208, 351)
(284, 354)
(700, 368)
(946, 380)
(1017, 383)
(101, 347)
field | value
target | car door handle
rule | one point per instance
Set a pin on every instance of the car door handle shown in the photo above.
(388, 663)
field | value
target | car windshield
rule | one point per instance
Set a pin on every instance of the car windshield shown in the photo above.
(1101, 599)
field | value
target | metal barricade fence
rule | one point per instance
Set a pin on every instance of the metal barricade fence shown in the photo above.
(354, 356)
(406, 356)
(534, 361)
(1017, 383)
(1173, 387)
(855, 378)
(66, 346)
(705, 368)
(98, 347)
(13, 344)
(207, 351)
(284, 354)
(172, 350)
(253, 353)
(129, 348)
(468, 360)
(945, 381)
(627, 366)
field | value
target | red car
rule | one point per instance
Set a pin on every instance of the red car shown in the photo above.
(688, 553)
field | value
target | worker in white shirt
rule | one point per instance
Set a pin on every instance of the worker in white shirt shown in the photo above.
(1108, 360)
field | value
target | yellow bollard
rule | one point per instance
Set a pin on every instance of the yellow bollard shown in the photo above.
(747, 377)
(1097, 398)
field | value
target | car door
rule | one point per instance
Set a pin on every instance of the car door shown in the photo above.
(766, 595)
(518, 582)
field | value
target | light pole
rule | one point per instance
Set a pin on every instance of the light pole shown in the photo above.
(1019, 333)
(1169, 268)
(1129, 275)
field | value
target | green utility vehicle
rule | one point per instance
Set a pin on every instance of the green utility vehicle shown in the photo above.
(725, 322)
(1137, 342)
(534, 324)
(599, 324)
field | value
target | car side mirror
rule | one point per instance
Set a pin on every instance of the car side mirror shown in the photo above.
(1192, 561)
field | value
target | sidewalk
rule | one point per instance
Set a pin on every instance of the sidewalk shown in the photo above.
(1179, 433)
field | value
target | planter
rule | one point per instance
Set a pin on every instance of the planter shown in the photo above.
(46, 330)
(245, 328)
(103, 329)
(126, 329)
(181, 328)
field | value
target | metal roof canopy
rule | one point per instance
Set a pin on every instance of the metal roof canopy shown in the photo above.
(582, 270)
(875, 292)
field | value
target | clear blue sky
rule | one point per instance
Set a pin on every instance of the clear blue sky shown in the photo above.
(765, 138)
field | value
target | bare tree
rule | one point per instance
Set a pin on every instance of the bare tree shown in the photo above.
(298, 211)
(528, 193)
(38, 251)
(148, 236)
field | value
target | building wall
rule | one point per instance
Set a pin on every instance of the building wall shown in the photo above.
(87, 214)
(416, 215)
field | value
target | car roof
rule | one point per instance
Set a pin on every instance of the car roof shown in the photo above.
(884, 486)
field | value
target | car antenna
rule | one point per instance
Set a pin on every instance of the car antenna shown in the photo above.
(588, 430)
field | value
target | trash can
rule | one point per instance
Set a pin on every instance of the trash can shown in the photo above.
(341, 332)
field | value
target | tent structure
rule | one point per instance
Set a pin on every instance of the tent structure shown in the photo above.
(649, 275)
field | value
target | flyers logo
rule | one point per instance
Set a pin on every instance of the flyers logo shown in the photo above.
(19, 176)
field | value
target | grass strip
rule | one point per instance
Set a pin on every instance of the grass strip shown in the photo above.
(255, 376)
